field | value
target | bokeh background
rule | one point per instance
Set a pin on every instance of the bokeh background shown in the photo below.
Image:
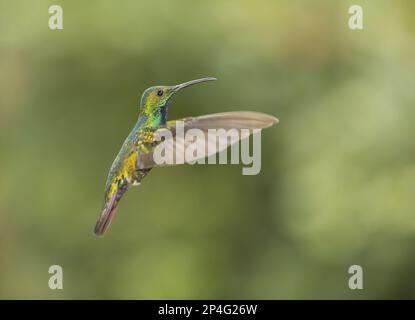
(338, 175)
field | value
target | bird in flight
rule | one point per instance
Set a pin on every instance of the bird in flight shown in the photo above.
(136, 157)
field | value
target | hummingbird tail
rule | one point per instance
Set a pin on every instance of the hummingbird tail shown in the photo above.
(106, 215)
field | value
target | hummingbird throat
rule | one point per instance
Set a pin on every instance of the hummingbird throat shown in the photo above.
(156, 118)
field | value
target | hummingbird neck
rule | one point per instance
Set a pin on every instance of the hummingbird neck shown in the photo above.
(154, 119)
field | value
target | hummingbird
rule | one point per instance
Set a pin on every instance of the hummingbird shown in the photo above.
(134, 160)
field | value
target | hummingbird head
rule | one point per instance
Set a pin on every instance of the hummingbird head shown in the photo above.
(156, 100)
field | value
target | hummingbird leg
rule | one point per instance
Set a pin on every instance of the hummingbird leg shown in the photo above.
(139, 175)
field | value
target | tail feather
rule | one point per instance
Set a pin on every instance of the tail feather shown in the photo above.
(106, 215)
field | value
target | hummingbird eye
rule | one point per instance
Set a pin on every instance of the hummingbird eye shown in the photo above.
(159, 92)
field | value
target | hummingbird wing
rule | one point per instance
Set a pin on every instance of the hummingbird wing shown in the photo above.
(175, 141)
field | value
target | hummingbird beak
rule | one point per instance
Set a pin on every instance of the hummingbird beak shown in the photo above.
(192, 82)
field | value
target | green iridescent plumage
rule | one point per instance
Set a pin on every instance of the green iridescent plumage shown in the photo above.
(135, 159)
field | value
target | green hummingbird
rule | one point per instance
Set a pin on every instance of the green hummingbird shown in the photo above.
(135, 159)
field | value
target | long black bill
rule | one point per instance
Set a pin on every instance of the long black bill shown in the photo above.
(192, 82)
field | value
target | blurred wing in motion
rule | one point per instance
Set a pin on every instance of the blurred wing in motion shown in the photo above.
(227, 120)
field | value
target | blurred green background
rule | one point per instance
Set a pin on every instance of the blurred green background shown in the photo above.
(338, 174)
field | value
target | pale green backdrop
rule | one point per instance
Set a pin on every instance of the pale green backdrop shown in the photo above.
(338, 175)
